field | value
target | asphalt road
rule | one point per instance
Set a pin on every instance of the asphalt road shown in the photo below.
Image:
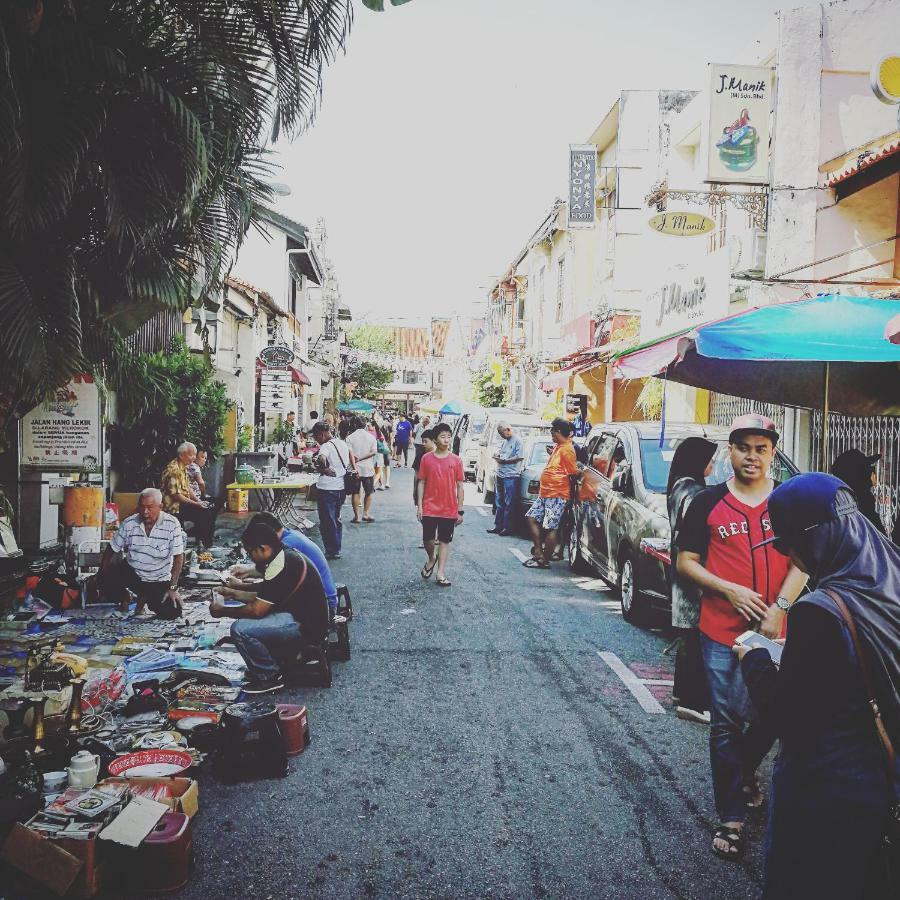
(476, 745)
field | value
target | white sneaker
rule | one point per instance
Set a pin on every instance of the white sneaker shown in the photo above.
(692, 715)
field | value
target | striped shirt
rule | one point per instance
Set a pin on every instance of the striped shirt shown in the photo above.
(150, 555)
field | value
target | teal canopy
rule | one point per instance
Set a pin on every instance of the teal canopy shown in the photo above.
(356, 406)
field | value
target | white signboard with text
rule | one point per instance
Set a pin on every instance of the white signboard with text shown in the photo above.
(740, 104)
(690, 294)
(64, 432)
(275, 390)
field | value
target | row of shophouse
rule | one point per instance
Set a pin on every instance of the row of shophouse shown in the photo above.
(282, 292)
(807, 205)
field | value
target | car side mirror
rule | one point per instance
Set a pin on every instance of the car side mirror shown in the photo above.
(621, 482)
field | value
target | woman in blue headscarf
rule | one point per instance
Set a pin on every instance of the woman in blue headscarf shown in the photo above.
(832, 787)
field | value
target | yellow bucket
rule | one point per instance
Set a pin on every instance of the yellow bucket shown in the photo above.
(238, 500)
(83, 506)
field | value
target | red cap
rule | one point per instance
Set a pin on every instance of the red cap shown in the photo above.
(753, 423)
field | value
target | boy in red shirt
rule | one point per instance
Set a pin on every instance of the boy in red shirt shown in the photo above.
(741, 588)
(440, 501)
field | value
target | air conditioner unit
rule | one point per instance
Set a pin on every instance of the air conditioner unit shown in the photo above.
(748, 252)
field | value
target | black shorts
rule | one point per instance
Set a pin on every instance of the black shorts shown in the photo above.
(436, 526)
(366, 484)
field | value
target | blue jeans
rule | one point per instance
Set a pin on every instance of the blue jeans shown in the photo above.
(266, 643)
(505, 498)
(330, 525)
(735, 749)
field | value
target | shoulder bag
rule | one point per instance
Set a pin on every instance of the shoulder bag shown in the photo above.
(890, 837)
(352, 484)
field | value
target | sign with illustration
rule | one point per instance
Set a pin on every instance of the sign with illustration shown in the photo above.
(276, 355)
(582, 186)
(740, 103)
(682, 224)
(64, 431)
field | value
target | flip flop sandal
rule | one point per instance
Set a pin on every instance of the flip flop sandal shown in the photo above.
(535, 564)
(443, 582)
(735, 841)
(753, 795)
(368, 519)
(426, 571)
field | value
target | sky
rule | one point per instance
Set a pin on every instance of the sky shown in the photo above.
(442, 137)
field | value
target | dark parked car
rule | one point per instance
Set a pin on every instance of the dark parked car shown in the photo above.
(621, 525)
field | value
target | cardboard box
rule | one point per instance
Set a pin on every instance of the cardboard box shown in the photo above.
(65, 866)
(238, 500)
(185, 793)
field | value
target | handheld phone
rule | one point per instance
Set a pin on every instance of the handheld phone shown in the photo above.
(753, 639)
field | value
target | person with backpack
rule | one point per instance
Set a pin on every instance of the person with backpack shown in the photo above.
(287, 610)
(335, 462)
(690, 467)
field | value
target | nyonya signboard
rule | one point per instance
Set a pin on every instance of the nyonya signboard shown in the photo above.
(582, 185)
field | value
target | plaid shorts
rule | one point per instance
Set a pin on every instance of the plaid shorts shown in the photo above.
(548, 511)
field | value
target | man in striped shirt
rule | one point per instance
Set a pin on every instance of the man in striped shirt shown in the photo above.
(153, 545)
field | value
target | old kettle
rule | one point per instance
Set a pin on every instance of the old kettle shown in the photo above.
(84, 769)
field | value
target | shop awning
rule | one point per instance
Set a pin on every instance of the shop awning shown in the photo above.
(299, 377)
(559, 380)
(870, 165)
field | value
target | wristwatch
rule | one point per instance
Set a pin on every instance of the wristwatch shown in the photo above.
(173, 587)
(783, 604)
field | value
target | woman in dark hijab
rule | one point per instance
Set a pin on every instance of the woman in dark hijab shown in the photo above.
(691, 464)
(831, 786)
(857, 471)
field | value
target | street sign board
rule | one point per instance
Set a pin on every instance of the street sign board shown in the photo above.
(582, 206)
(681, 224)
(276, 355)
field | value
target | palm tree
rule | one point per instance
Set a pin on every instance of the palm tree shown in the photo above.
(132, 160)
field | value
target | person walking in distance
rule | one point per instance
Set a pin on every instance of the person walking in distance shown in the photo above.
(335, 459)
(364, 448)
(740, 588)
(440, 502)
(547, 511)
(401, 439)
(509, 464)
(421, 426)
(386, 453)
(428, 446)
(691, 464)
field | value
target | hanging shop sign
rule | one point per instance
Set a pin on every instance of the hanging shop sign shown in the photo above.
(582, 186)
(64, 432)
(275, 390)
(690, 294)
(885, 80)
(276, 355)
(740, 104)
(682, 224)
(576, 403)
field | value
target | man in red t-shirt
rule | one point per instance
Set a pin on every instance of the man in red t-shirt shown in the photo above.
(741, 588)
(440, 501)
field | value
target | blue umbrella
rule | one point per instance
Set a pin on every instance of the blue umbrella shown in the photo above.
(356, 406)
(827, 353)
(451, 408)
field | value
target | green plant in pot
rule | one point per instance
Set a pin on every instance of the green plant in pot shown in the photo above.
(185, 404)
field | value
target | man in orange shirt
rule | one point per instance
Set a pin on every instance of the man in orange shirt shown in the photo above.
(547, 511)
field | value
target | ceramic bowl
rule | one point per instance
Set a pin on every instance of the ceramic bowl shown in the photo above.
(54, 782)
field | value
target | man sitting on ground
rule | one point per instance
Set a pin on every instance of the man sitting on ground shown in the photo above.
(286, 611)
(295, 540)
(178, 499)
(153, 545)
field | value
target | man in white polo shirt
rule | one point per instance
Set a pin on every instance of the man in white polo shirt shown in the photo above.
(153, 545)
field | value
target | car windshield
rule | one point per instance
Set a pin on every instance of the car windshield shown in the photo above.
(477, 427)
(539, 454)
(656, 460)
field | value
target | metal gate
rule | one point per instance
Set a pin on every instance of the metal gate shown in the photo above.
(870, 434)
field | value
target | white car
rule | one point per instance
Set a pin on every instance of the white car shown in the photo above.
(523, 426)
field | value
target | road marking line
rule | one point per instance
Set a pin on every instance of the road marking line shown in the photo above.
(482, 510)
(518, 554)
(658, 681)
(647, 701)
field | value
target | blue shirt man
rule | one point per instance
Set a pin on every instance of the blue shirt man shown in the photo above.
(296, 540)
(404, 427)
(509, 457)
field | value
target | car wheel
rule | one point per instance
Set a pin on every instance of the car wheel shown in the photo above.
(480, 482)
(577, 562)
(634, 606)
